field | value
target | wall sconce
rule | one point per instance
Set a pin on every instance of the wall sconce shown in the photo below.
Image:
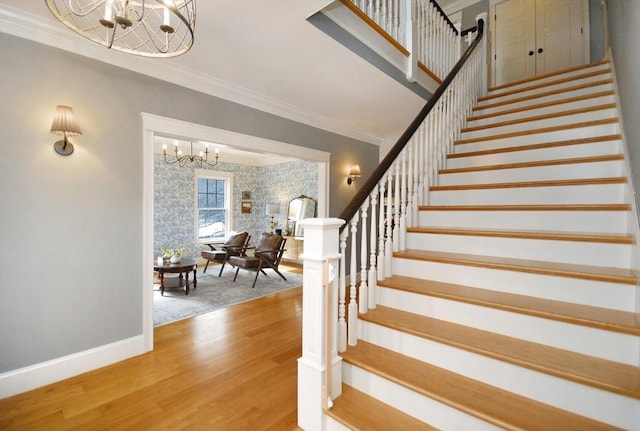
(354, 174)
(65, 124)
(273, 210)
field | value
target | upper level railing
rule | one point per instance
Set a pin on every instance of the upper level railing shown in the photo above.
(420, 27)
(377, 219)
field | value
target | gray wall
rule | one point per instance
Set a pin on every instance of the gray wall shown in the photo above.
(71, 227)
(624, 38)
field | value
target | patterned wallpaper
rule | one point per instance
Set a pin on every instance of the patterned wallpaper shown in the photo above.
(174, 194)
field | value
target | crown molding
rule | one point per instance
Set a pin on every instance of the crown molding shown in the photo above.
(32, 27)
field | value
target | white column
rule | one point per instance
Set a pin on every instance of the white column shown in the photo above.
(318, 383)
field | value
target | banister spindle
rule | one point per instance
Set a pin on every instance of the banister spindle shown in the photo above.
(403, 201)
(388, 242)
(373, 285)
(353, 274)
(363, 302)
(381, 231)
(342, 324)
(396, 208)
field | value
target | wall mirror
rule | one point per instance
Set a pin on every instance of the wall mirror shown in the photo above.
(299, 208)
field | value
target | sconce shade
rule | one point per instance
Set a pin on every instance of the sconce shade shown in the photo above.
(354, 173)
(273, 209)
(65, 124)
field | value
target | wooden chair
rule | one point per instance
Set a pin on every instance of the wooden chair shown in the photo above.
(267, 254)
(235, 245)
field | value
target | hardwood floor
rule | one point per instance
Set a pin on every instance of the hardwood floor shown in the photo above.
(232, 369)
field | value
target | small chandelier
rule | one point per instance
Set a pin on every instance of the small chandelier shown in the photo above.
(149, 28)
(183, 159)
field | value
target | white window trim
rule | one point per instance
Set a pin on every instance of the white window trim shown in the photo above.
(216, 175)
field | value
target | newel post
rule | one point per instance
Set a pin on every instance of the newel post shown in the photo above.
(319, 384)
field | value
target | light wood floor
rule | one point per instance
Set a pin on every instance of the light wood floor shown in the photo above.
(232, 369)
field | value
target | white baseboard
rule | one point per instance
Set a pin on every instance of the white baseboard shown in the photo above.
(44, 373)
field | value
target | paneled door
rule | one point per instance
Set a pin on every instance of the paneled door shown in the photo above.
(534, 37)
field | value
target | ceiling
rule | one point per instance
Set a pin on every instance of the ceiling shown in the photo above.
(261, 53)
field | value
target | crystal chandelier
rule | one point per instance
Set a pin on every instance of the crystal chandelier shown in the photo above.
(182, 159)
(150, 28)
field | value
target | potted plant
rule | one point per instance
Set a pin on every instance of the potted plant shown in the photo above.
(174, 254)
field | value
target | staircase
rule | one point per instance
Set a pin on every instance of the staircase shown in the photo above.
(513, 303)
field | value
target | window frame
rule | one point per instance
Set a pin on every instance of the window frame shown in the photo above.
(228, 193)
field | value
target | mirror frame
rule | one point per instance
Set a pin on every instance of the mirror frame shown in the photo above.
(308, 208)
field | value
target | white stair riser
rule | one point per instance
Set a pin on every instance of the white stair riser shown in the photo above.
(568, 221)
(561, 152)
(568, 395)
(503, 96)
(488, 107)
(608, 345)
(543, 110)
(333, 425)
(574, 252)
(552, 78)
(538, 173)
(583, 194)
(617, 296)
(426, 409)
(538, 138)
(539, 124)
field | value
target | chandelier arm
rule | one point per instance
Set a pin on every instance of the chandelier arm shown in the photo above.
(76, 13)
(113, 36)
(142, 14)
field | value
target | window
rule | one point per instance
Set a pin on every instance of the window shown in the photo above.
(213, 205)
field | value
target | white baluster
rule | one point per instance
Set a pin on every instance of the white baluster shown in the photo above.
(353, 275)
(373, 284)
(388, 242)
(363, 302)
(342, 323)
(381, 232)
(396, 208)
(403, 201)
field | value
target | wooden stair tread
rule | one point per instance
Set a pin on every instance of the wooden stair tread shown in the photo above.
(587, 272)
(540, 183)
(359, 411)
(578, 314)
(528, 132)
(539, 117)
(491, 404)
(599, 373)
(540, 207)
(554, 144)
(542, 94)
(549, 74)
(542, 105)
(522, 234)
(496, 92)
(538, 163)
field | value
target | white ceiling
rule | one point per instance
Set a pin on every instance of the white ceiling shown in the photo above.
(261, 53)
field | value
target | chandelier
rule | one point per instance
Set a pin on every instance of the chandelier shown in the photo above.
(149, 28)
(182, 159)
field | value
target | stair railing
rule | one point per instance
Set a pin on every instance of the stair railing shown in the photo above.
(419, 26)
(387, 204)
(376, 223)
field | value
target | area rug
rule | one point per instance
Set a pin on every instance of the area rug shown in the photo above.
(213, 293)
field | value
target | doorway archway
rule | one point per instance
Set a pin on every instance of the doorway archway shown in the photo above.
(155, 124)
